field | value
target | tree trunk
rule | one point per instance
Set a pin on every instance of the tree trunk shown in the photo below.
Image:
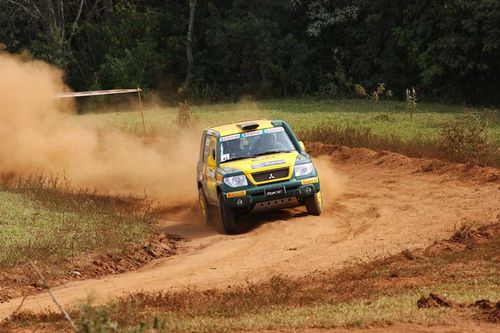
(189, 44)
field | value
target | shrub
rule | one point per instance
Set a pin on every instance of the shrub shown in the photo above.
(342, 134)
(360, 90)
(375, 95)
(185, 117)
(466, 139)
(411, 101)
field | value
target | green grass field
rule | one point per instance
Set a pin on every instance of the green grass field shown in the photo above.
(385, 125)
(48, 222)
(384, 118)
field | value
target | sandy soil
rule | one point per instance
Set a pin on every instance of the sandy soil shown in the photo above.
(376, 204)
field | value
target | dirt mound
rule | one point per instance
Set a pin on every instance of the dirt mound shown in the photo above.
(491, 310)
(463, 238)
(160, 246)
(468, 235)
(21, 281)
(434, 301)
(488, 310)
(465, 172)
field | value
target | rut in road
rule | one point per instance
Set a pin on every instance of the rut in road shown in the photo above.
(375, 206)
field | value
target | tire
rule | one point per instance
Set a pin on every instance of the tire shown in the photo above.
(204, 206)
(227, 219)
(314, 204)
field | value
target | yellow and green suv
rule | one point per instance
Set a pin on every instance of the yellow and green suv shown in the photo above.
(254, 166)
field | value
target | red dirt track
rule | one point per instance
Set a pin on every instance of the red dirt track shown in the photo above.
(376, 204)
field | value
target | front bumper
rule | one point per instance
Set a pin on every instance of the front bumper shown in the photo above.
(294, 188)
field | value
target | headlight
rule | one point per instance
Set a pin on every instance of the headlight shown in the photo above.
(303, 169)
(236, 181)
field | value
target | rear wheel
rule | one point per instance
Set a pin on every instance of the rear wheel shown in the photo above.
(314, 204)
(204, 208)
(227, 219)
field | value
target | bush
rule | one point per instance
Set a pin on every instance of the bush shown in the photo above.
(185, 117)
(342, 134)
(466, 139)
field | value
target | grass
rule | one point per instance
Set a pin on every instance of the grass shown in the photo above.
(382, 292)
(46, 220)
(382, 126)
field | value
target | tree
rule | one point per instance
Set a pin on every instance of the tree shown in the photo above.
(228, 48)
(454, 45)
(324, 13)
(189, 44)
(58, 20)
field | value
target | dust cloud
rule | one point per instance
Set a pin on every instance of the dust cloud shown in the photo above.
(333, 183)
(40, 134)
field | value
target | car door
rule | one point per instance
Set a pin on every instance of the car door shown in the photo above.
(202, 160)
(211, 167)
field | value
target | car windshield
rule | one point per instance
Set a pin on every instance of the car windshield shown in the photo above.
(255, 143)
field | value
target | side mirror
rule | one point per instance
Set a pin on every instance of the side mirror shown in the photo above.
(302, 145)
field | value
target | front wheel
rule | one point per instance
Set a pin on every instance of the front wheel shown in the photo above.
(227, 219)
(314, 204)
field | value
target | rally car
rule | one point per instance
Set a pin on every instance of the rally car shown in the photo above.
(253, 166)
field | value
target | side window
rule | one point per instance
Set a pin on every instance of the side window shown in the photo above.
(206, 147)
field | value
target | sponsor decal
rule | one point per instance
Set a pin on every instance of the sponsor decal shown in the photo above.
(274, 130)
(310, 181)
(275, 191)
(268, 163)
(210, 173)
(250, 134)
(230, 137)
(236, 194)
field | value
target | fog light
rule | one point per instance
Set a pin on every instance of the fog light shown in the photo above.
(308, 190)
(239, 202)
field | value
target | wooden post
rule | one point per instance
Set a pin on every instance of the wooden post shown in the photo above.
(141, 108)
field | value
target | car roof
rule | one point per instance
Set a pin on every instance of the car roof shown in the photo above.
(232, 128)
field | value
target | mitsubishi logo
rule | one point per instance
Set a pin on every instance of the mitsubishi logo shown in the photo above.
(271, 176)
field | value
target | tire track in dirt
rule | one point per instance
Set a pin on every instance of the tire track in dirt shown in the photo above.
(382, 209)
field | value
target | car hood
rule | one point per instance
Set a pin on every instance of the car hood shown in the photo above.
(262, 163)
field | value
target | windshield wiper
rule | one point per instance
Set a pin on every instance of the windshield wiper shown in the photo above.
(272, 152)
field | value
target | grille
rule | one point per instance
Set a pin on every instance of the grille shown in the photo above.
(275, 174)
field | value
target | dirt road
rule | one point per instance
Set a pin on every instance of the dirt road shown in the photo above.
(377, 204)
